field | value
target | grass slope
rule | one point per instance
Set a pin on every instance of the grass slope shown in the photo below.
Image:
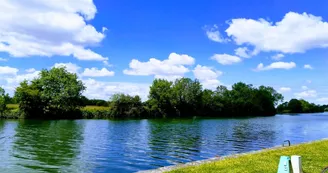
(314, 159)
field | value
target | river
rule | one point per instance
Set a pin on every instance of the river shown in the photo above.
(133, 145)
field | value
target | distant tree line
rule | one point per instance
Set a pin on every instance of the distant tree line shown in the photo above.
(94, 102)
(57, 93)
(300, 106)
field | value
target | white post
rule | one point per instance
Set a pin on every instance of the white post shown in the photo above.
(296, 164)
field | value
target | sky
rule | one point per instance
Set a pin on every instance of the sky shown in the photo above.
(121, 46)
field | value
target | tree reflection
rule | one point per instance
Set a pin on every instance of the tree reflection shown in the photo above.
(47, 145)
(2, 125)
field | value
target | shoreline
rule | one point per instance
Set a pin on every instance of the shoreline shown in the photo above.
(217, 159)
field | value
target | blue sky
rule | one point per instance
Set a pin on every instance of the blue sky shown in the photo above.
(121, 46)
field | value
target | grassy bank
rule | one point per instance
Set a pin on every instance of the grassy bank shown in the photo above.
(314, 159)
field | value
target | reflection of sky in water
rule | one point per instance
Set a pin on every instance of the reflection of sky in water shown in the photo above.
(132, 145)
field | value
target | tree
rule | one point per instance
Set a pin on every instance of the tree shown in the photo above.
(161, 102)
(126, 106)
(3, 101)
(295, 106)
(54, 94)
(187, 95)
(283, 108)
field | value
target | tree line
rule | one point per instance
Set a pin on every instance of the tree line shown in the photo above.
(57, 93)
(300, 106)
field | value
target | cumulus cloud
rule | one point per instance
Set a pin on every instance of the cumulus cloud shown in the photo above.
(14, 81)
(323, 100)
(243, 52)
(284, 89)
(226, 59)
(173, 67)
(104, 90)
(95, 88)
(214, 34)
(30, 70)
(48, 28)
(6, 70)
(308, 66)
(207, 76)
(304, 87)
(94, 72)
(70, 67)
(295, 33)
(3, 59)
(306, 94)
(276, 65)
(278, 56)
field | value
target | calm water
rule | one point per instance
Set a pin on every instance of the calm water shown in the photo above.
(129, 146)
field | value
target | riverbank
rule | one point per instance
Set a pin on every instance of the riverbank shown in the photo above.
(314, 159)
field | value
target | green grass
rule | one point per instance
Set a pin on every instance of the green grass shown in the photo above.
(314, 159)
(100, 108)
(12, 106)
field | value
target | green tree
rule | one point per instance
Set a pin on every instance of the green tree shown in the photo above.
(3, 101)
(56, 93)
(126, 106)
(187, 95)
(283, 108)
(295, 106)
(161, 102)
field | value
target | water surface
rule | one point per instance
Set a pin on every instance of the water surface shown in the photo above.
(133, 145)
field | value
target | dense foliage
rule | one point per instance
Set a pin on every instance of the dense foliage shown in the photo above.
(300, 106)
(55, 94)
(185, 97)
(126, 106)
(3, 101)
(94, 102)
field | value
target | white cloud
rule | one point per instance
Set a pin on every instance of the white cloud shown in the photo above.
(306, 94)
(323, 100)
(295, 33)
(207, 76)
(304, 87)
(70, 67)
(226, 59)
(13, 82)
(3, 59)
(214, 34)
(278, 56)
(173, 67)
(307, 66)
(30, 70)
(48, 28)
(6, 70)
(276, 65)
(243, 52)
(104, 90)
(95, 89)
(106, 63)
(94, 72)
(284, 89)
